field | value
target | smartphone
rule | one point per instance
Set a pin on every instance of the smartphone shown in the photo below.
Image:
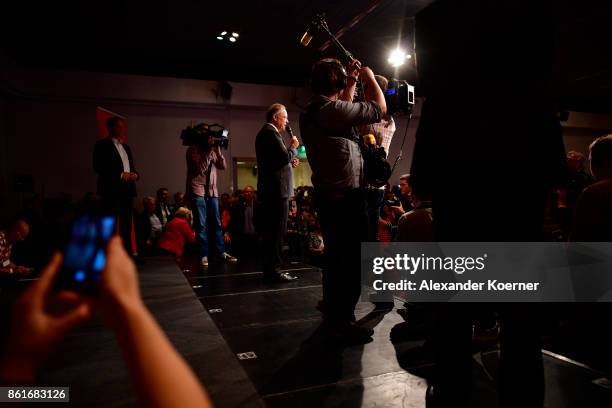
(85, 253)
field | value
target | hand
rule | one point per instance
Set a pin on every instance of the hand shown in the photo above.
(134, 176)
(294, 143)
(354, 68)
(227, 238)
(40, 319)
(295, 162)
(366, 73)
(126, 176)
(119, 291)
(398, 210)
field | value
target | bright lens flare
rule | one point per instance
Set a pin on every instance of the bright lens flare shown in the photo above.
(398, 57)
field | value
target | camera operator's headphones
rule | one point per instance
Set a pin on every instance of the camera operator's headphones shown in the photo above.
(329, 72)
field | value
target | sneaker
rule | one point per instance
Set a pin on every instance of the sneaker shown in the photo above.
(204, 262)
(228, 258)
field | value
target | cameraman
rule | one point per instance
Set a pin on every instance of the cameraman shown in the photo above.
(203, 160)
(328, 130)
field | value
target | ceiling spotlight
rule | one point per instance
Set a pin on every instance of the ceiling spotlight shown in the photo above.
(235, 34)
(219, 38)
(398, 57)
(232, 39)
(223, 32)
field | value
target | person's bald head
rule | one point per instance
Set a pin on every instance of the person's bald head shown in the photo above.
(600, 154)
(18, 231)
(248, 192)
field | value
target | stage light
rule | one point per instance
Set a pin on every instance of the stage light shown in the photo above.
(232, 39)
(235, 34)
(398, 57)
(223, 32)
(219, 38)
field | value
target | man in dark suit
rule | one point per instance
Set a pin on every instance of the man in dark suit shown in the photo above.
(117, 176)
(274, 186)
(163, 208)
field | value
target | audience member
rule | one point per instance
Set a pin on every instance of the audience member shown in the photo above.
(176, 233)
(16, 233)
(383, 134)
(41, 318)
(386, 224)
(404, 194)
(577, 180)
(243, 227)
(225, 211)
(314, 238)
(163, 208)
(180, 201)
(417, 224)
(593, 214)
(148, 227)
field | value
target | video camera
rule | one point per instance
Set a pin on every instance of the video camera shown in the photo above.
(198, 135)
(399, 97)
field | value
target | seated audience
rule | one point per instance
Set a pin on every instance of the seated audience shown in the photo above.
(593, 213)
(417, 224)
(387, 224)
(16, 233)
(163, 208)
(176, 234)
(181, 202)
(577, 180)
(314, 238)
(242, 229)
(41, 318)
(148, 227)
(179, 199)
(226, 215)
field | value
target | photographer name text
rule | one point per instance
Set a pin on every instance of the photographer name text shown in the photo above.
(493, 285)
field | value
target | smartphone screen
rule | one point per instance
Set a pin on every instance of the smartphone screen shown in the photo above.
(85, 254)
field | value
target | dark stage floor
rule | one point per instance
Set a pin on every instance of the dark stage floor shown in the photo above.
(274, 332)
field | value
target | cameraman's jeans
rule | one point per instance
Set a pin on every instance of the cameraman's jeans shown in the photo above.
(207, 222)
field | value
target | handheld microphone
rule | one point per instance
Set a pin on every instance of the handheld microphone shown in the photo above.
(289, 131)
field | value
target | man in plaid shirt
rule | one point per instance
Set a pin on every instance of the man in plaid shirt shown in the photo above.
(383, 133)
